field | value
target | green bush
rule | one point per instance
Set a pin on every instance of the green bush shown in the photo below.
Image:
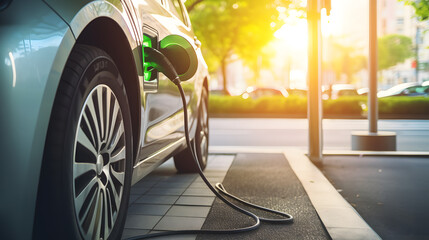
(344, 105)
(281, 105)
(230, 104)
(404, 105)
(297, 105)
(267, 105)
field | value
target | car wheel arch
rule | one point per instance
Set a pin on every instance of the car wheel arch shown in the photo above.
(98, 33)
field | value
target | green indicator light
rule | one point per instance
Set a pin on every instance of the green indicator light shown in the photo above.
(147, 42)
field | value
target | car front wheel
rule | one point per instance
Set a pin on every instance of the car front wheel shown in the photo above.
(86, 175)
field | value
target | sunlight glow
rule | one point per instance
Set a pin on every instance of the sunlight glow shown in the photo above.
(327, 26)
(293, 32)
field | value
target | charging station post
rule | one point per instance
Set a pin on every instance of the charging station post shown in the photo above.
(314, 8)
(373, 140)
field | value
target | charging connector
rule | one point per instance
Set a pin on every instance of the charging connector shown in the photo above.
(161, 63)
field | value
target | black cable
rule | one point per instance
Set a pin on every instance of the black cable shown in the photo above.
(288, 218)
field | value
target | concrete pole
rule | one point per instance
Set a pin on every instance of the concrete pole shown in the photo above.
(373, 140)
(372, 94)
(314, 88)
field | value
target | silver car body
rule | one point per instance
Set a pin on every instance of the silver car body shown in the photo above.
(36, 38)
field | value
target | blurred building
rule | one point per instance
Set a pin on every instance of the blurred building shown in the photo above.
(396, 18)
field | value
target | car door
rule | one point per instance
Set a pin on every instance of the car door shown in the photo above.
(162, 115)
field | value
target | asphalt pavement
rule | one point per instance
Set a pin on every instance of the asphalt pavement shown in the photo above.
(267, 180)
(390, 193)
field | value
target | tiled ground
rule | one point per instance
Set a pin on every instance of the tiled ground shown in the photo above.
(165, 200)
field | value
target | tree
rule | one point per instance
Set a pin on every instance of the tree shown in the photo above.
(241, 27)
(421, 7)
(393, 49)
(345, 60)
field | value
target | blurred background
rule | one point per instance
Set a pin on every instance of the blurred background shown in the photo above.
(258, 49)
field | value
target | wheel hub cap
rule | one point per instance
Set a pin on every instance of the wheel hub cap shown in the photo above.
(99, 164)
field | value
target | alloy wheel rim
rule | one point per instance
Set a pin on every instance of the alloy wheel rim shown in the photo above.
(99, 164)
(204, 131)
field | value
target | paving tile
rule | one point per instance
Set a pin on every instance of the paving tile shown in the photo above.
(198, 192)
(188, 211)
(182, 176)
(133, 197)
(179, 180)
(133, 232)
(165, 200)
(166, 191)
(141, 221)
(148, 209)
(172, 185)
(155, 178)
(179, 223)
(157, 199)
(145, 184)
(198, 185)
(195, 201)
(212, 181)
(139, 190)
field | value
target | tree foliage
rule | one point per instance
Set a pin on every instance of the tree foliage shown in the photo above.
(345, 60)
(421, 7)
(241, 27)
(393, 49)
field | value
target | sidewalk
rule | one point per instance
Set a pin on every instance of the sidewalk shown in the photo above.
(165, 200)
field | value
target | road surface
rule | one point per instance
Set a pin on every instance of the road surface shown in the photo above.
(412, 135)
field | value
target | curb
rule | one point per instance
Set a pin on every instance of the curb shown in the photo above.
(375, 153)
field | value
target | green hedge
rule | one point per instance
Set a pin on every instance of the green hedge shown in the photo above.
(296, 105)
(404, 105)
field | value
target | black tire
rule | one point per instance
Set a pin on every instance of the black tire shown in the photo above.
(86, 172)
(184, 161)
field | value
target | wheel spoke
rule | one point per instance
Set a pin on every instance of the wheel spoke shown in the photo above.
(113, 122)
(116, 198)
(108, 123)
(94, 226)
(90, 129)
(118, 175)
(118, 156)
(117, 137)
(112, 213)
(91, 108)
(106, 215)
(100, 112)
(85, 142)
(80, 199)
(82, 168)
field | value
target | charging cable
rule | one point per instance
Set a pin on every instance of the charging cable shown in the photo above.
(162, 64)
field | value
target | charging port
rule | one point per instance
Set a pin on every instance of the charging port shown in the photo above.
(150, 74)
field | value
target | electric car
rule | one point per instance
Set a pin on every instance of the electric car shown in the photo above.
(83, 116)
